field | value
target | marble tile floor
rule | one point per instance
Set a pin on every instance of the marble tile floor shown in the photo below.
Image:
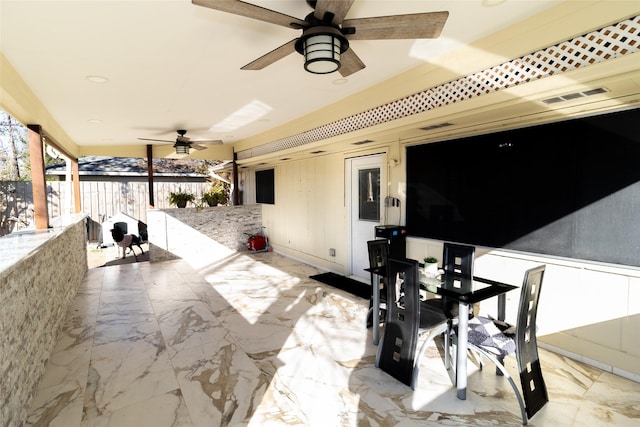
(252, 341)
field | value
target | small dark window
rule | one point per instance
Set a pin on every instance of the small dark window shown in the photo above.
(265, 186)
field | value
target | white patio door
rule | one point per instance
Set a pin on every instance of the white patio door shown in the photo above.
(364, 195)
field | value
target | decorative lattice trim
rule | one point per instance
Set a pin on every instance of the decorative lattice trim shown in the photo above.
(598, 46)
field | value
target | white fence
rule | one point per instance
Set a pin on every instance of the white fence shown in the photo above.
(100, 200)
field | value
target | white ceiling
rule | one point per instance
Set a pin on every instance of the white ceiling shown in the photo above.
(171, 64)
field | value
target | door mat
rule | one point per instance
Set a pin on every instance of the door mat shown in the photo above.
(354, 287)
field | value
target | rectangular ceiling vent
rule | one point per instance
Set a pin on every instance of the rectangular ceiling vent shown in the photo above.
(365, 141)
(575, 95)
(437, 126)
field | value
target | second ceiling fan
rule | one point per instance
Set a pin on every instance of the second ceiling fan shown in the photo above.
(326, 34)
(183, 144)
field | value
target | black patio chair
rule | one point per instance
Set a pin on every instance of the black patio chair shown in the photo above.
(456, 259)
(378, 254)
(496, 339)
(405, 320)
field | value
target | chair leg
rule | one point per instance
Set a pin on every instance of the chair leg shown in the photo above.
(453, 344)
(369, 318)
(447, 345)
(416, 362)
(506, 374)
(379, 351)
(479, 359)
(501, 360)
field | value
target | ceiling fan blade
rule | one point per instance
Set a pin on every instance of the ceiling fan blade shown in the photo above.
(339, 9)
(206, 141)
(272, 56)
(350, 63)
(249, 10)
(204, 147)
(414, 26)
(157, 140)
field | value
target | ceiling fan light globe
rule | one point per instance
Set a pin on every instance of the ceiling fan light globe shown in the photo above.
(321, 47)
(322, 54)
(321, 66)
(181, 148)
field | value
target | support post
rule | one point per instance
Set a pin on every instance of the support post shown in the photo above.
(39, 184)
(75, 176)
(152, 203)
(235, 200)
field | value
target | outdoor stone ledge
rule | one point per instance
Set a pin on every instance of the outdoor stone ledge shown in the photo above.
(36, 292)
(201, 235)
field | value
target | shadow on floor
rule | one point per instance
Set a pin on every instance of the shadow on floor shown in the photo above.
(107, 256)
(129, 259)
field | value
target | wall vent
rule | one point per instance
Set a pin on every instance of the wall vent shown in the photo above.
(604, 44)
(437, 126)
(575, 95)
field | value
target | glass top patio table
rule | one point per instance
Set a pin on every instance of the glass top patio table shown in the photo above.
(467, 291)
(464, 289)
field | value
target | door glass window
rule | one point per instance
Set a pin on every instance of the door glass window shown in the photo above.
(369, 194)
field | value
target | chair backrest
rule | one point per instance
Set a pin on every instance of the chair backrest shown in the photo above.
(458, 259)
(526, 341)
(534, 389)
(378, 253)
(398, 346)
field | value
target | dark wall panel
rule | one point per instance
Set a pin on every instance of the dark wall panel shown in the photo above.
(569, 189)
(265, 186)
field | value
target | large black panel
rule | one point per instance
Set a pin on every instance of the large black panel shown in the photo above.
(569, 189)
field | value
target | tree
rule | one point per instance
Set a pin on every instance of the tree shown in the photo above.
(15, 210)
(14, 153)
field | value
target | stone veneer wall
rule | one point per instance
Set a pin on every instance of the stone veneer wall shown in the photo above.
(35, 294)
(175, 233)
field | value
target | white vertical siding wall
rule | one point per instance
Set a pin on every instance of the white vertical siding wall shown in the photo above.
(309, 214)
